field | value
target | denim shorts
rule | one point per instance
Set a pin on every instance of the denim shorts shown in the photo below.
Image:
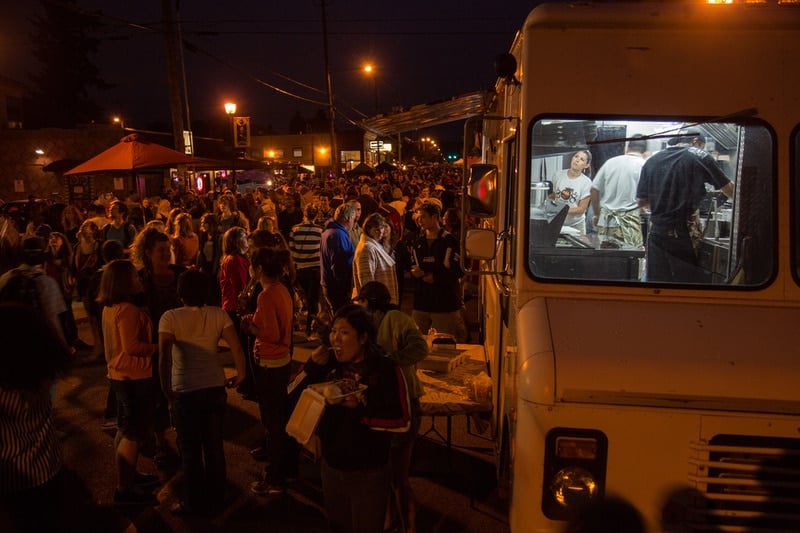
(135, 407)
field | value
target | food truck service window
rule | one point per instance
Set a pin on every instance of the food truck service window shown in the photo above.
(657, 202)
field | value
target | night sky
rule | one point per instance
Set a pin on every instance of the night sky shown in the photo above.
(424, 51)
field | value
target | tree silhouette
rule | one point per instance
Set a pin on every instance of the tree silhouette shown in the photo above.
(320, 122)
(63, 42)
(298, 124)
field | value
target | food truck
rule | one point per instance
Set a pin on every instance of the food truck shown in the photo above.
(680, 397)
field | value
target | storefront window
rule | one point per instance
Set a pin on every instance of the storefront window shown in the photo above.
(652, 201)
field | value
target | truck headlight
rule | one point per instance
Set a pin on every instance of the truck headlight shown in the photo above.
(574, 470)
(573, 487)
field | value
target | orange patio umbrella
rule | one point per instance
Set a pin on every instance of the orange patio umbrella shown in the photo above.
(132, 153)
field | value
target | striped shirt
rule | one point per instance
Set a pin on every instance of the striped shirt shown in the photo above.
(304, 242)
(29, 448)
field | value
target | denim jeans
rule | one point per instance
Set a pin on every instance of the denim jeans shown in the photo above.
(273, 404)
(198, 417)
(355, 500)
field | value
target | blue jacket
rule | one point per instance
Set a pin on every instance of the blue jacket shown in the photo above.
(336, 257)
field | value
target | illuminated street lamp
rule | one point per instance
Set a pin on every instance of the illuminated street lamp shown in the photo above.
(117, 121)
(230, 110)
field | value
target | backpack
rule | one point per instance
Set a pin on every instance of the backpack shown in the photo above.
(130, 233)
(21, 288)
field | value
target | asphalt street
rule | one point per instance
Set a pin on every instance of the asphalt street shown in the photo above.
(456, 490)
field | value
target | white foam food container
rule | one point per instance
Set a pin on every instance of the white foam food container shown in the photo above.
(306, 415)
(335, 398)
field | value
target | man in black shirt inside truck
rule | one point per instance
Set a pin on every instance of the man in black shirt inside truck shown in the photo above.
(672, 185)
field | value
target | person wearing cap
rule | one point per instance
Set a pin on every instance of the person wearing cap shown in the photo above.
(436, 269)
(672, 185)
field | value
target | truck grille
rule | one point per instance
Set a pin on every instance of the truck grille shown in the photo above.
(745, 483)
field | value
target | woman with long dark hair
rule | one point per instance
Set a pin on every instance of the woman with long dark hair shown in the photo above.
(355, 431)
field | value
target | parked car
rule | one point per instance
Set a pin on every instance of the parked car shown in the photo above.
(23, 211)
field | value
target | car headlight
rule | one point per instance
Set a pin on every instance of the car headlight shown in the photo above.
(573, 487)
(574, 470)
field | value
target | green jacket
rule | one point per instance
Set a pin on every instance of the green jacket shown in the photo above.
(405, 344)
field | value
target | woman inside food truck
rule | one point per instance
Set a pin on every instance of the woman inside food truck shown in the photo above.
(572, 187)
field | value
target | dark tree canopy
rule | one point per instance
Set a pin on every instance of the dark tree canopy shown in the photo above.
(320, 122)
(297, 124)
(63, 44)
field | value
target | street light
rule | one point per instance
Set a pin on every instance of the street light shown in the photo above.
(230, 110)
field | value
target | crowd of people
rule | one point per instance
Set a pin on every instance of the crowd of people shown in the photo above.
(164, 279)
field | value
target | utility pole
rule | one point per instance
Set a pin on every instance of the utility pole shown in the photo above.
(331, 109)
(173, 77)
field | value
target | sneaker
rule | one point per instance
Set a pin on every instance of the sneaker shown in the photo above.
(146, 480)
(263, 488)
(134, 497)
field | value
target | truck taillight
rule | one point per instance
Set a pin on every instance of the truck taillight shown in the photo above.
(574, 470)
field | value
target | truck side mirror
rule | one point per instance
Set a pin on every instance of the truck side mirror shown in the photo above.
(481, 244)
(482, 191)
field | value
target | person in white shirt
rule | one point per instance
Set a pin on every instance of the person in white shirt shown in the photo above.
(616, 212)
(193, 380)
(572, 187)
(372, 262)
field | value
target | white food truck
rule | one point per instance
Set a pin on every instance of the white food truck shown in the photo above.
(679, 396)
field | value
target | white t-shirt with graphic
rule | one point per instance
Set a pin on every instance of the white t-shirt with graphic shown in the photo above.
(570, 191)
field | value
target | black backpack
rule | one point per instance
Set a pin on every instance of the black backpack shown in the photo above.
(21, 288)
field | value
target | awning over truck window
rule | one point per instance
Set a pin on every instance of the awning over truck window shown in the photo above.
(427, 115)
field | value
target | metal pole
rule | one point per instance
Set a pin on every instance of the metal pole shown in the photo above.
(232, 181)
(331, 109)
(173, 80)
